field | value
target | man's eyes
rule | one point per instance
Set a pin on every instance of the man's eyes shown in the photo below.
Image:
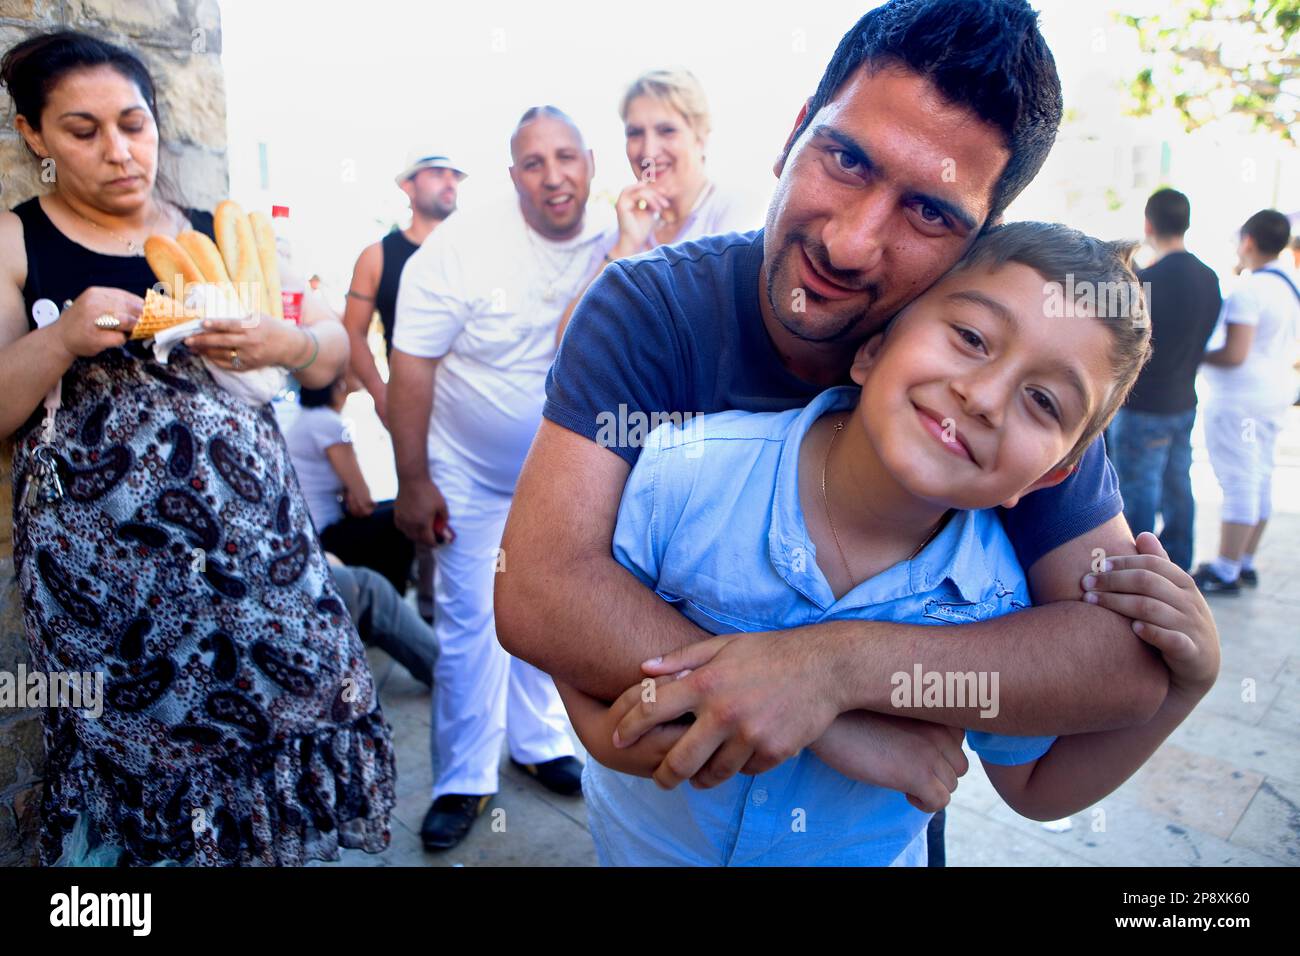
(841, 155)
(930, 214)
(927, 214)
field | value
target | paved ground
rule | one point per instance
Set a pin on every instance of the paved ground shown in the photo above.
(1223, 791)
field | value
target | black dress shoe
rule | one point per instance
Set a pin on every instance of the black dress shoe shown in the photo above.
(563, 775)
(1208, 580)
(449, 819)
(1249, 578)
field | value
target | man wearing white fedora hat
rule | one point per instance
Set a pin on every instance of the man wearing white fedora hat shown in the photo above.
(430, 181)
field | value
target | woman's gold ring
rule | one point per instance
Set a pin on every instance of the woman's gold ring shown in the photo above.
(642, 205)
(234, 359)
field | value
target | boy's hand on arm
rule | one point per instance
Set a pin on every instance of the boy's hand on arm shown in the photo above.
(1167, 610)
(919, 759)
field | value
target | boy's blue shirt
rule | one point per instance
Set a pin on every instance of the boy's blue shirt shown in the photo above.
(711, 520)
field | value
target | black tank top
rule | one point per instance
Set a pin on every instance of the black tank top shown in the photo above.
(397, 249)
(59, 269)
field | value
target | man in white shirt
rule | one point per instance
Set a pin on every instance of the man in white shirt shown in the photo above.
(1250, 372)
(479, 304)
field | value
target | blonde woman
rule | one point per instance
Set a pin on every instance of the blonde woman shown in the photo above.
(667, 124)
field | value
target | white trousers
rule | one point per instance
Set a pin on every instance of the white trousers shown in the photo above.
(1241, 442)
(481, 693)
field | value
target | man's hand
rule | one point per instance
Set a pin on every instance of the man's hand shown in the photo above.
(420, 512)
(919, 759)
(1168, 611)
(757, 699)
(359, 505)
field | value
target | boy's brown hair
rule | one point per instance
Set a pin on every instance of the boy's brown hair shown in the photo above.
(1097, 280)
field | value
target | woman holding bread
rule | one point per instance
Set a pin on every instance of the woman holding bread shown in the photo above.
(160, 536)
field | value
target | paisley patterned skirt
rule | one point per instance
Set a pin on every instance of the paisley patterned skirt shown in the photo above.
(239, 724)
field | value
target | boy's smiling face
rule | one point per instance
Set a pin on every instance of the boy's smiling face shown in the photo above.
(975, 394)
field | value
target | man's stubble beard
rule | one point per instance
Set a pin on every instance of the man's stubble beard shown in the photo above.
(436, 210)
(787, 317)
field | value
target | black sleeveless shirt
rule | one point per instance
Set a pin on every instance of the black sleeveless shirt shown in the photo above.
(397, 249)
(59, 269)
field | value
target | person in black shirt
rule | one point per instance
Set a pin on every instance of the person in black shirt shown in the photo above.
(431, 182)
(1150, 439)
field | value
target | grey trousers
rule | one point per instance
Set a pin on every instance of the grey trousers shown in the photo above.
(386, 621)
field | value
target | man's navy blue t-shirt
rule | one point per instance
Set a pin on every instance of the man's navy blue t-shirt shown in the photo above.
(679, 331)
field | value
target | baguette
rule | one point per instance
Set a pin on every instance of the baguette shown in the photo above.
(264, 237)
(169, 261)
(239, 252)
(206, 256)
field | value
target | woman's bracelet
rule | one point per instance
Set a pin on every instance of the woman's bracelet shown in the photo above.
(315, 349)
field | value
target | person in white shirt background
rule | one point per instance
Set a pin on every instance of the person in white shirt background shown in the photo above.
(350, 523)
(1250, 371)
(477, 312)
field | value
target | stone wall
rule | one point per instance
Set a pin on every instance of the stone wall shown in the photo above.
(180, 42)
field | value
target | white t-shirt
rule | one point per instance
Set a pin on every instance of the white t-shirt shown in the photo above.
(717, 211)
(313, 431)
(1266, 379)
(487, 292)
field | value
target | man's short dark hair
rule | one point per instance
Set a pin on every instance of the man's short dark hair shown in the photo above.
(1270, 229)
(1169, 212)
(985, 55)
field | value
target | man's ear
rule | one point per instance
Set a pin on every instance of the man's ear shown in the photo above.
(779, 166)
(866, 357)
(591, 165)
(1052, 478)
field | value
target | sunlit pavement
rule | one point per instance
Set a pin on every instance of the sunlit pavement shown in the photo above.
(1224, 790)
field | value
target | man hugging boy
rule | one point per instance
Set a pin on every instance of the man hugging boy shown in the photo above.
(877, 502)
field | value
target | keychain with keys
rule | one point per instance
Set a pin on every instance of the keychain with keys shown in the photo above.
(43, 486)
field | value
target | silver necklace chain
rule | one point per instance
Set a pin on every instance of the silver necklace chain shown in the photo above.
(839, 426)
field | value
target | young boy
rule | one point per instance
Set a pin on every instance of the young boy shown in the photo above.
(877, 503)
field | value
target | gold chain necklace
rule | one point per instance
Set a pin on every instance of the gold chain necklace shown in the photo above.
(131, 245)
(839, 426)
